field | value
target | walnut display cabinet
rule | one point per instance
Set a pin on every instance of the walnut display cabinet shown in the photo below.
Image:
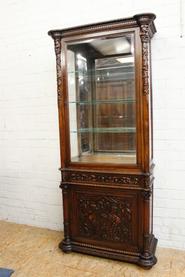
(105, 118)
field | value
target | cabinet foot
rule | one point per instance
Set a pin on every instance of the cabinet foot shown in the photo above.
(147, 260)
(65, 246)
(147, 263)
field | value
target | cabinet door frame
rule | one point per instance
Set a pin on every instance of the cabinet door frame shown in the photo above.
(64, 109)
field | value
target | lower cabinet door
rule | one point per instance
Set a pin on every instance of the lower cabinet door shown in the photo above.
(106, 217)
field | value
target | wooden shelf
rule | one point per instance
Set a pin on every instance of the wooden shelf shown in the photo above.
(106, 158)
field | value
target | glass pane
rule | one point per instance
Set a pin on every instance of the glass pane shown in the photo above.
(101, 99)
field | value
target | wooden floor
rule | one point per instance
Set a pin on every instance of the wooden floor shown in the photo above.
(33, 252)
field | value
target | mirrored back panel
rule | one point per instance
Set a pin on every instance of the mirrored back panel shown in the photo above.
(102, 100)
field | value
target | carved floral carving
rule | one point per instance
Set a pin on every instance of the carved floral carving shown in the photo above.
(145, 38)
(145, 69)
(57, 42)
(99, 177)
(105, 218)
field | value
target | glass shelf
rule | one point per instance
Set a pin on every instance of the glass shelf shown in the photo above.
(109, 101)
(102, 70)
(105, 130)
(101, 76)
(105, 69)
(122, 73)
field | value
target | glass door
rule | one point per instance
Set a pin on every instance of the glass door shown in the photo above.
(102, 100)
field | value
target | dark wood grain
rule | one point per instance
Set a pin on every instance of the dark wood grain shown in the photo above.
(108, 206)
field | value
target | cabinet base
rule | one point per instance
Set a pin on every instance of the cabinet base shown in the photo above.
(146, 261)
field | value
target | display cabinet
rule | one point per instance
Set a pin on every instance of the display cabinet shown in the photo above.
(105, 119)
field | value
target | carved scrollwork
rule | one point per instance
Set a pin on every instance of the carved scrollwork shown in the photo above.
(105, 218)
(57, 42)
(100, 178)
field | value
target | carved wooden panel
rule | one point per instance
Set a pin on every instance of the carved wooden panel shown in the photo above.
(105, 216)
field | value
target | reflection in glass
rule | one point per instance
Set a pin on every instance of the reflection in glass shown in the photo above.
(101, 99)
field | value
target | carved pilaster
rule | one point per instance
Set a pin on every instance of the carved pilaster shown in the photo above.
(145, 57)
(57, 42)
(65, 245)
(145, 39)
(66, 215)
(147, 29)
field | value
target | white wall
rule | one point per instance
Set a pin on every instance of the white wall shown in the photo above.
(29, 146)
